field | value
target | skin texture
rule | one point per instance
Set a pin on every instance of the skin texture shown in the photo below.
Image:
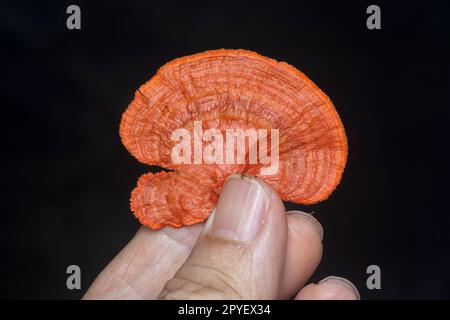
(219, 260)
(230, 89)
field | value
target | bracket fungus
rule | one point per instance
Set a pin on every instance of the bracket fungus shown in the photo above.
(229, 89)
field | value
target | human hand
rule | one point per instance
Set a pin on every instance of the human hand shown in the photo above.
(249, 248)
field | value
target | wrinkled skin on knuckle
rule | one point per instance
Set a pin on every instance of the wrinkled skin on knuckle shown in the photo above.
(195, 281)
(216, 269)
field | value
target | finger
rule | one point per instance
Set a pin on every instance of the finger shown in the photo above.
(330, 288)
(303, 252)
(241, 252)
(142, 268)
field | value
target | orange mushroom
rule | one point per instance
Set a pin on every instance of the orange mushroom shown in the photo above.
(230, 89)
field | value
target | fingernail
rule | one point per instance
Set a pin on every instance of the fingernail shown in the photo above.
(309, 220)
(241, 209)
(343, 282)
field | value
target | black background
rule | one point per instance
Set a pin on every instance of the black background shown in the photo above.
(66, 178)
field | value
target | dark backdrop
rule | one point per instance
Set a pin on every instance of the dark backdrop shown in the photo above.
(66, 177)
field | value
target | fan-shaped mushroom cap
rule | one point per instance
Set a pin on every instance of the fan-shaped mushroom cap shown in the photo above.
(230, 89)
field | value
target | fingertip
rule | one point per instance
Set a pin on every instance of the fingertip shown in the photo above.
(185, 236)
(347, 288)
(303, 252)
(304, 221)
(330, 288)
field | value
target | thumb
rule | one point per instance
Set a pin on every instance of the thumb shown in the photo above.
(241, 252)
